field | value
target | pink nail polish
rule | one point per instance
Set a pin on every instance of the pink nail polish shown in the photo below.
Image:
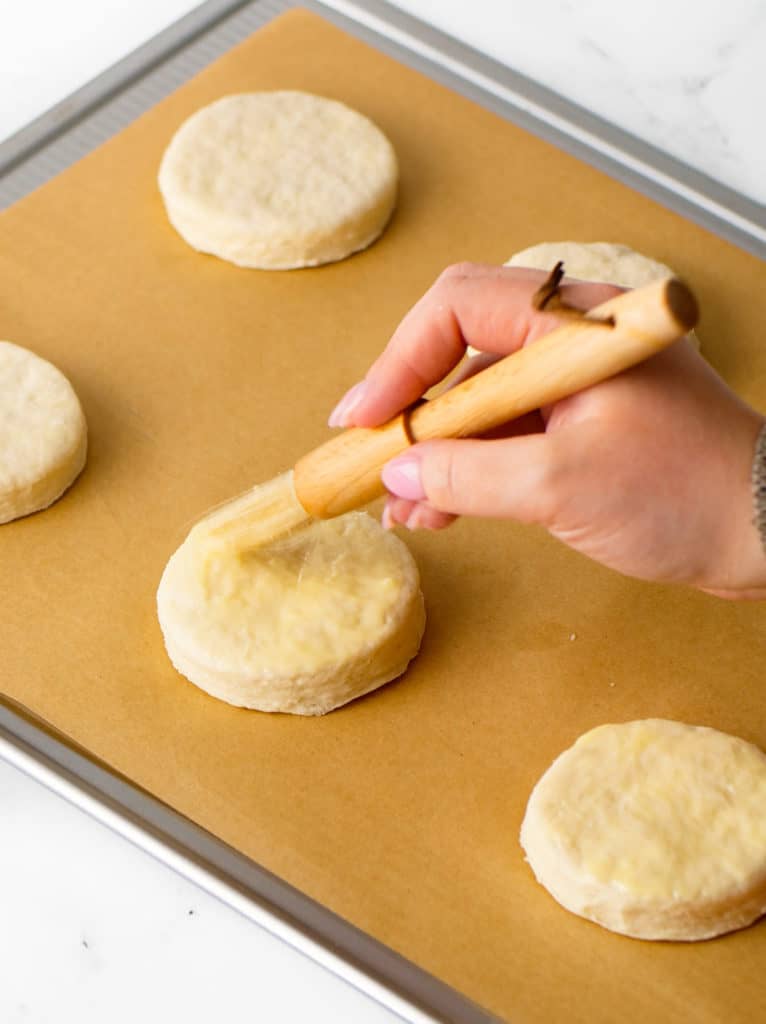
(402, 477)
(415, 519)
(341, 414)
(386, 519)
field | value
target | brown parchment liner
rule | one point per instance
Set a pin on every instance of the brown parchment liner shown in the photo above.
(401, 811)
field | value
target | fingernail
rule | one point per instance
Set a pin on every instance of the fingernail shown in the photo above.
(341, 414)
(415, 519)
(402, 477)
(386, 520)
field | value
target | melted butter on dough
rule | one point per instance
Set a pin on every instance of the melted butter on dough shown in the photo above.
(653, 828)
(302, 624)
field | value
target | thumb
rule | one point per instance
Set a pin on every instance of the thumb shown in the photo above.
(512, 478)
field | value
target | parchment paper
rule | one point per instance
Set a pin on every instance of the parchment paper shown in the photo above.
(401, 811)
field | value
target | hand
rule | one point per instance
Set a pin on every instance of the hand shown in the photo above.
(648, 473)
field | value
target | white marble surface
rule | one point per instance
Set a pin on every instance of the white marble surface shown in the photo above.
(687, 76)
(95, 930)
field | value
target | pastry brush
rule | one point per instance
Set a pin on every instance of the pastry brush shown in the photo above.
(345, 472)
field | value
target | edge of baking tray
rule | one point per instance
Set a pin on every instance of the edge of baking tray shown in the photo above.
(113, 99)
(281, 909)
(91, 115)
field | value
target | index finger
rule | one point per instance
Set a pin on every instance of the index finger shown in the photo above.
(488, 307)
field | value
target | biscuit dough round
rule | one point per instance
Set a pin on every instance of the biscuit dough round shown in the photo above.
(43, 435)
(605, 262)
(302, 624)
(278, 180)
(594, 261)
(654, 829)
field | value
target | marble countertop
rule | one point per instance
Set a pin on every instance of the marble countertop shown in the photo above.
(683, 76)
(93, 928)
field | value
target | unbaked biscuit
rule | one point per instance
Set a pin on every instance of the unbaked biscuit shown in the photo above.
(302, 624)
(278, 180)
(43, 435)
(654, 829)
(605, 262)
(594, 261)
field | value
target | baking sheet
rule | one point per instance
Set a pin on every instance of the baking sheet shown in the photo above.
(112, 100)
(401, 811)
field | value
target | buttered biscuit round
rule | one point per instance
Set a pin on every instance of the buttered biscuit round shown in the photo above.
(278, 180)
(43, 436)
(301, 624)
(654, 829)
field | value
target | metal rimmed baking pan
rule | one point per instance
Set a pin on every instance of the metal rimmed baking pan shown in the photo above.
(100, 110)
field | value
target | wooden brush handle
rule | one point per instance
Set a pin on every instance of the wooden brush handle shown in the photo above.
(344, 473)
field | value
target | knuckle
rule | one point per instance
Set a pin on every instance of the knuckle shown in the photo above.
(456, 271)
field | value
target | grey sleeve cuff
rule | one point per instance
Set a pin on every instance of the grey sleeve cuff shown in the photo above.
(758, 479)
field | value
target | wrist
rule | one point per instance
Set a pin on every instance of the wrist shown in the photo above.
(741, 570)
